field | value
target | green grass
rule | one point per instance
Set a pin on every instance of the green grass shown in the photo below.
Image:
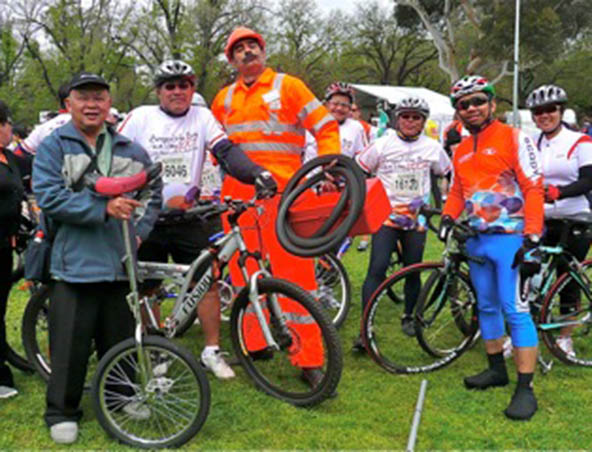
(374, 409)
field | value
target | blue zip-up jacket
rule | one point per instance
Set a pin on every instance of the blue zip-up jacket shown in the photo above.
(88, 246)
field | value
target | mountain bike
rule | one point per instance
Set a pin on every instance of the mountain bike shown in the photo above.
(444, 312)
(185, 286)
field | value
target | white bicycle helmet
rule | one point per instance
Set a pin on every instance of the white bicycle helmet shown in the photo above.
(340, 88)
(545, 95)
(413, 104)
(172, 69)
(470, 84)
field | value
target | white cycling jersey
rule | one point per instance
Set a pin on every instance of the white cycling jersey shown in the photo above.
(351, 135)
(179, 143)
(404, 170)
(562, 156)
(32, 142)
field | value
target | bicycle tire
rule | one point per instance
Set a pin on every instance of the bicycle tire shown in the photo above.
(383, 336)
(446, 321)
(333, 288)
(36, 322)
(35, 336)
(15, 349)
(580, 318)
(176, 396)
(274, 373)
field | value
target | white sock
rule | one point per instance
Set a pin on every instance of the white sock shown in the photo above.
(210, 350)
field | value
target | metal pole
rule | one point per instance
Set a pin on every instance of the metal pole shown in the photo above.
(417, 416)
(516, 56)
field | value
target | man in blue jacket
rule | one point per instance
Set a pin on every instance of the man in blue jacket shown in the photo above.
(87, 294)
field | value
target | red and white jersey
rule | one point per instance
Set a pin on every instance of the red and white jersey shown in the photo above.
(32, 142)
(351, 135)
(180, 143)
(562, 157)
(404, 169)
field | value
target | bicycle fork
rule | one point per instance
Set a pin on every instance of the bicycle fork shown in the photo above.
(273, 306)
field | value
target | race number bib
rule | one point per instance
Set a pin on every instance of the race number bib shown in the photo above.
(176, 168)
(408, 184)
(211, 182)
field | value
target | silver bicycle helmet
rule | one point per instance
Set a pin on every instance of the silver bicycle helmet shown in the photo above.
(172, 69)
(340, 88)
(545, 95)
(470, 84)
(413, 104)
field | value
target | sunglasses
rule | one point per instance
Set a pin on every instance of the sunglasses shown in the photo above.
(340, 104)
(407, 117)
(474, 102)
(181, 85)
(545, 109)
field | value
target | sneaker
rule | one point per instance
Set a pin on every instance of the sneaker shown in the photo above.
(487, 379)
(137, 411)
(363, 245)
(565, 343)
(408, 325)
(214, 362)
(358, 345)
(6, 392)
(523, 405)
(508, 348)
(64, 432)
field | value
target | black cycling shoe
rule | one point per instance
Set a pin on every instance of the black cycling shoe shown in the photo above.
(358, 345)
(408, 325)
(523, 405)
(486, 379)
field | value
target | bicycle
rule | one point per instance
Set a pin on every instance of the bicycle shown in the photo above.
(444, 312)
(270, 368)
(15, 349)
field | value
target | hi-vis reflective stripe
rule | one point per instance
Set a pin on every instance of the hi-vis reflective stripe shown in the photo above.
(302, 319)
(268, 127)
(270, 146)
(228, 98)
(277, 81)
(327, 118)
(308, 109)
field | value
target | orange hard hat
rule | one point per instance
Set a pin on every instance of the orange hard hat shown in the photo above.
(239, 34)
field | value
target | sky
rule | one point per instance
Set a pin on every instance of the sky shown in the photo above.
(347, 6)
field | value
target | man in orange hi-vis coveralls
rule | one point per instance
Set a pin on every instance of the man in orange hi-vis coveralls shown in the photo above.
(266, 113)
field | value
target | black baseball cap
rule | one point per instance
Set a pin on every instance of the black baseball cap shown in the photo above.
(88, 78)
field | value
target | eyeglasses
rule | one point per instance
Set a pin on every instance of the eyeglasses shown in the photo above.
(545, 109)
(184, 85)
(473, 101)
(408, 117)
(335, 104)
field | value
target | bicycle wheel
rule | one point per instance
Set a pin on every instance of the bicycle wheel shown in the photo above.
(35, 336)
(446, 321)
(15, 352)
(567, 329)
(167, 410)
(334, 288)
(382, 332)
(305, 336)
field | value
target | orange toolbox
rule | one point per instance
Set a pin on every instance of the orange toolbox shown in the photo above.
(310, 210)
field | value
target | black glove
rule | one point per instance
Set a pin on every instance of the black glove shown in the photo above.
(265, 186)
(528, 258)
(446, 225)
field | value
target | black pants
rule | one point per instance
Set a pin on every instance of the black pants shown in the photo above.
(79, 313)
(5, 284)
(570, 295)
(384, 243)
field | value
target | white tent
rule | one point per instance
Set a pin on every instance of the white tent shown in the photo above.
(441, 110)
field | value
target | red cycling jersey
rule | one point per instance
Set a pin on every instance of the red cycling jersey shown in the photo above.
(498, 181)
